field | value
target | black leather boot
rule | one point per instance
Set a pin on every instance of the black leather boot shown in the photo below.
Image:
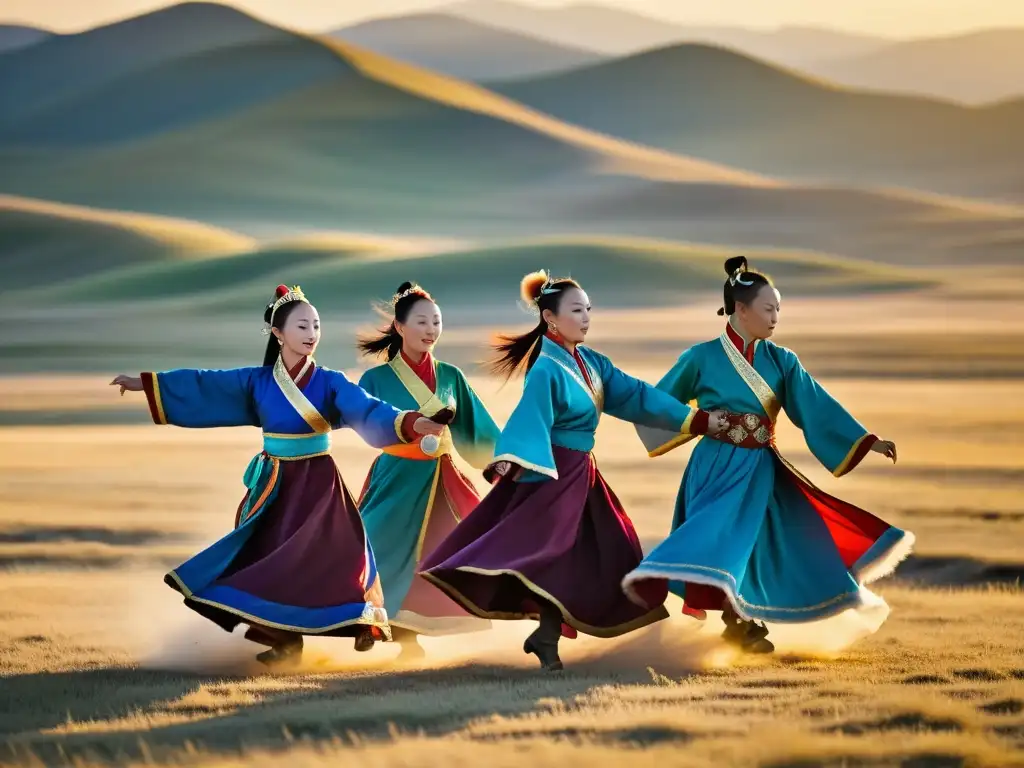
(543, 642)
(287, 652)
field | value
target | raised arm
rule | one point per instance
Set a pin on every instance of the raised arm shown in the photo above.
(380, 424)
(680, 382)
(636, 401)
(836, 438)
(198, 398)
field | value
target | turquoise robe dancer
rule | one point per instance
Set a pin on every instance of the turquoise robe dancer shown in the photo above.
(298, 560)
(555, 534)
(748, 526)
(412, 500)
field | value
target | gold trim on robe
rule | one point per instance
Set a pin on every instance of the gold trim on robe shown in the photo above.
(298, 400)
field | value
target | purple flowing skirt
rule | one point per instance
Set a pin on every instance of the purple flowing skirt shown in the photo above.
(566, 541)
(305, 567)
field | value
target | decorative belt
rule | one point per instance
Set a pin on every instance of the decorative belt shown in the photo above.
(296, 447)
(747, 430)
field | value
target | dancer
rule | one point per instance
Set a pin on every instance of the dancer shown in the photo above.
(551, 540)
(752, 537)
(414, 495)
(298, 561)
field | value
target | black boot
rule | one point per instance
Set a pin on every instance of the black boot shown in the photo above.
(747, 635)
(543, 642)
(365, 639)
(286, 652)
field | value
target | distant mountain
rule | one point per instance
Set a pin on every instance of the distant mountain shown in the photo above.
(616, 32)
(464, 48)
(718, 105)
(275, 125)
(16, 36)
(70, 66)
(973, 68)
(790, 46)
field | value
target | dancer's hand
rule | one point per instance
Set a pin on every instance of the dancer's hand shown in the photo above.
(424, 426)
(718, 421)
(502, 469)
(127, 383)
(885, 447)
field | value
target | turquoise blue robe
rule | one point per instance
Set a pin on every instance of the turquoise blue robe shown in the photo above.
(293, 482)
(748, 526)
(556, 534)
(412, 500)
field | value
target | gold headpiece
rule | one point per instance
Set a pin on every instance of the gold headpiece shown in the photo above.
(415, 289)
(294, 294)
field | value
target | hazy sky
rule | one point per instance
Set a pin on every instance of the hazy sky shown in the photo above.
(894, 18)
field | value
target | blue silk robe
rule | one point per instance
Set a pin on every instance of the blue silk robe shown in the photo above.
(746, 522)
(296, 412)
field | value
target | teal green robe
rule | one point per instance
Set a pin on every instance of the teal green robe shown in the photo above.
(411, 501)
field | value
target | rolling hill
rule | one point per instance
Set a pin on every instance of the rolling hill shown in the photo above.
(69, 66)
(719, 105)
(616, 32)
(974, 68)
(463, 48)
(16, 36)
(345, 138)
(45, 244)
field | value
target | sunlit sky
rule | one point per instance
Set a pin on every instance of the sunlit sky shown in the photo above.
(891, 18)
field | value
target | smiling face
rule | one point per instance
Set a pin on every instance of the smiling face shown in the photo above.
(421, 329)
(300, 332)
(572, 320)
(761, 315)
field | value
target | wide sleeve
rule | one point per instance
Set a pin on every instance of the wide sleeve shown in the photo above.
(473, 430)
(378, 423)
(835, 437)
(200, 398)
(636, 401)
(526, 438)
(681, 383)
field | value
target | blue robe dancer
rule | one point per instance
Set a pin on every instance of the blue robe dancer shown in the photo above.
(752, 536)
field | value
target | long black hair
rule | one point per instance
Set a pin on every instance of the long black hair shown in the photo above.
(538, 289)
(387, 341)
(277, 320)
(742, 284)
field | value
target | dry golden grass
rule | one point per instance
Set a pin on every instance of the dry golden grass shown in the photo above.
(100, 663)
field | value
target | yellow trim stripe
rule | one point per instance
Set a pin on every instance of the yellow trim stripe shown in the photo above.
(427, 514)
(378, 620)
(657, 614)
(844, 466)
(157, 400)
(274, 472)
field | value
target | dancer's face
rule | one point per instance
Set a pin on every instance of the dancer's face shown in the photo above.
(761, 315)
(421, 329)
(301, 331)
(572, 321)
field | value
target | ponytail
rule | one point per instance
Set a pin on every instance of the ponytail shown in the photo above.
(388, 341)
(539, 292)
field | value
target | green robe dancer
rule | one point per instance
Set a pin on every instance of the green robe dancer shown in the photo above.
(414, 496)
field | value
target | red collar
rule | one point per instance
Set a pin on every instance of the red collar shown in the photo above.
(424, 369)
(300, 376)
(738, 342)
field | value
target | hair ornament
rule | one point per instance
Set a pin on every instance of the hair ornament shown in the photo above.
(412, 290)
(736, 278)
(284, 295)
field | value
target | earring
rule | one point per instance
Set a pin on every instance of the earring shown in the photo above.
(552, 328)
(280, 342)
